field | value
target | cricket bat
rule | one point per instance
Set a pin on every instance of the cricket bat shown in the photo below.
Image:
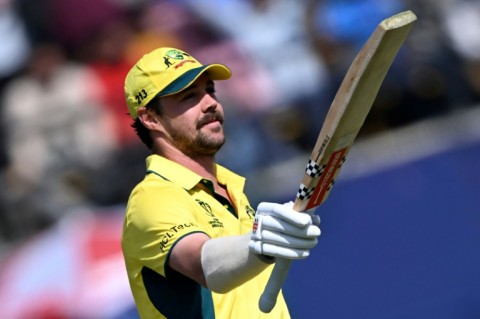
(344, 120)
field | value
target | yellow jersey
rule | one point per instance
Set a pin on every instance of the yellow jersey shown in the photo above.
(172, 202)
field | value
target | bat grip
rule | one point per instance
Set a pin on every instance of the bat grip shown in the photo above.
(268, 299)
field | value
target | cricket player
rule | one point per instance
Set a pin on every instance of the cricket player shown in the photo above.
(193, 245)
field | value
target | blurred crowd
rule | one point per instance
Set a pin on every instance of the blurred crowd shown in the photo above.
(65, 136)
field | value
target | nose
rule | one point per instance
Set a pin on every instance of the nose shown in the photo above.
(209, 103)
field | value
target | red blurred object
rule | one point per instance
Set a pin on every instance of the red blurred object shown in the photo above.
(73, 270)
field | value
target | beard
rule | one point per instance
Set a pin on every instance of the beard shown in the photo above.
(201, 144)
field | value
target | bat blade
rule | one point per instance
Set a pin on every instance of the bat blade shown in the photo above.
(344, 120)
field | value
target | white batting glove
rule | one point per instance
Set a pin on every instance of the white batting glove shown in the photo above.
(280, 231)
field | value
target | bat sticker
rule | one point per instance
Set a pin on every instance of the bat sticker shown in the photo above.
(304, 192)
(325, 182)
(313, 169)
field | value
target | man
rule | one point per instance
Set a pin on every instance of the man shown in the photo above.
(188, 242)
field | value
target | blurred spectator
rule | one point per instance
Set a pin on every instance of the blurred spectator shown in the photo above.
(15, 45)
(424, 79)
(106, 56)
(14, 50)
(435, 82)
(75, 22)
(338, 29)
(56, 134)
(461, 22)
(184, 28)
(38, 19)
(272, 34)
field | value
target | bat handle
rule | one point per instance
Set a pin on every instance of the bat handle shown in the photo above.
(268, 299)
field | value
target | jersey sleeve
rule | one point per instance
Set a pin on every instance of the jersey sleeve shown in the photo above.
(158, 215)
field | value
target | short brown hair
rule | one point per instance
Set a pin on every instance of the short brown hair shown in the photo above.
(142, 132)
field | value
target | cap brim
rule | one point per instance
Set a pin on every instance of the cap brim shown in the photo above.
(215, 72)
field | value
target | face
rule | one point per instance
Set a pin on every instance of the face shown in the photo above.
(193, 119)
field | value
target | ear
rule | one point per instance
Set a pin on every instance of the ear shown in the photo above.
(148, 118)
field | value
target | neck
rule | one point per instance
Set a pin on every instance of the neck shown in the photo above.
(204, 166)
(201, 165)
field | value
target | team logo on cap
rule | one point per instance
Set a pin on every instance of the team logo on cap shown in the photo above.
(176, 55)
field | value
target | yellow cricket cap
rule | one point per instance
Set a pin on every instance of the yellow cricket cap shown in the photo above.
(165, 71)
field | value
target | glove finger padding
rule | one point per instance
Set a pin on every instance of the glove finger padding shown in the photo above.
(285, 213)
(266, 222)
(277, 251)
(311, 212)
(287, 240)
